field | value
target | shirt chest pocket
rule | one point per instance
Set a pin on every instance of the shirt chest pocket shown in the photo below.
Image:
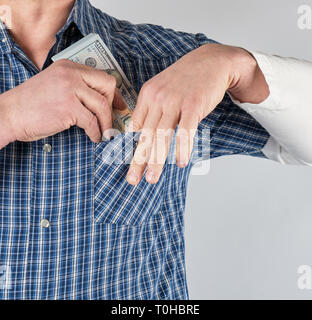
(114, 200)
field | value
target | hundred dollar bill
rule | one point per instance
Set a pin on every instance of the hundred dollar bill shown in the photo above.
(92, 51)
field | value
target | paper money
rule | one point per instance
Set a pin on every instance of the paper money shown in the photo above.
(92, 51)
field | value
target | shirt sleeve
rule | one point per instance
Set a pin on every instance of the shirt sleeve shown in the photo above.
(229, 130)
(287, 113)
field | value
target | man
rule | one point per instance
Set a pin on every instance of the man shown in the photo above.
(71, 225)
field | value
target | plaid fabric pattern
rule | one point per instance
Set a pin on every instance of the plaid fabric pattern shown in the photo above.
(106, 239)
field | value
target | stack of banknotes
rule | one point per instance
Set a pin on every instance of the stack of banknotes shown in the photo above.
(92, 51)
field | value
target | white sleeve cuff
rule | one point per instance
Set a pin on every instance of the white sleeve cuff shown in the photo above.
(287, 113)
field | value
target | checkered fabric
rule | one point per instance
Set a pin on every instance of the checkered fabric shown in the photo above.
(70, 225)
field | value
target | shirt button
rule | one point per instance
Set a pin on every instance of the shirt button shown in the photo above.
(47, 147)
(45, 223)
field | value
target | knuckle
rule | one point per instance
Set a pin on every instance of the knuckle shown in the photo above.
(69, 123)
(111, 82)
(62, 72)
(187, 108)
(62, 65)
(103, 102)
(159, 96)
(68, 116)
(147, 90)
(193, 108)
(156, 94)
(197, 101)
(62, 62)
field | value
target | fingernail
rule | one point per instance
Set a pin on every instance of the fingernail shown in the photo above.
(106, 138)
(182, 164)
(107, 135)
(151, 176)
(133, 177)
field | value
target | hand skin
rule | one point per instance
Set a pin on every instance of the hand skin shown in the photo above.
(183, 95)
(63, 95)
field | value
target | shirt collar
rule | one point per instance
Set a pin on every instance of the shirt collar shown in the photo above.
(6, 42)
(88, 20)
(83, 14)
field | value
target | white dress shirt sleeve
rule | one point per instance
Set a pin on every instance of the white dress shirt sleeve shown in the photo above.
(287, 113)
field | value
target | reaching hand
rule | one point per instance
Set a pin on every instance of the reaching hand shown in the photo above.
(183, 95)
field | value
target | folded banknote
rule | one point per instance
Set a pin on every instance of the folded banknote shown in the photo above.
(92, 51)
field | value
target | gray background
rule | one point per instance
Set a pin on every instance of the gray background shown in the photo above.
(249, 221)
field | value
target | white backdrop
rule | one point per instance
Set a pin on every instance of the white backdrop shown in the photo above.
(249, 222)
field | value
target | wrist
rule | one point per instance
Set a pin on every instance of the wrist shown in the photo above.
(6, 128)
(248, 83)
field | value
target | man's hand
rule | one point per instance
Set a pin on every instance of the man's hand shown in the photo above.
(183, 95)
(63, 95)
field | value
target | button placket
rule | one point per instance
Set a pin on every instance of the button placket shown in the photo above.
(47, 148)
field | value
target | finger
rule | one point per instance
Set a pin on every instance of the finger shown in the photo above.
(100, 81)
(161, 144)
(185, 138)
(98, 105)
(119, 102)
(89, 122)
(139, 114)
(143, 150)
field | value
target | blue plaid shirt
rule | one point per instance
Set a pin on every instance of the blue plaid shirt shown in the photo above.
(70, 225)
